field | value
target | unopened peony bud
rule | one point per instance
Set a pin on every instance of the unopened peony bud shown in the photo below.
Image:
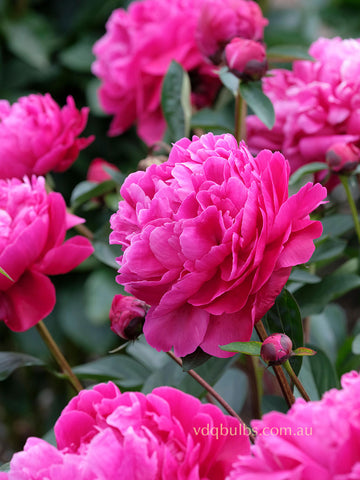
(246, 59)
(276, 349)
(96, 172)
(343, 157)
(127, 316)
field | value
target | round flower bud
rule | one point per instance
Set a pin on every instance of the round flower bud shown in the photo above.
(343, 157)
(127, 316)
(246, 59)
(97, 173)
(276, 349)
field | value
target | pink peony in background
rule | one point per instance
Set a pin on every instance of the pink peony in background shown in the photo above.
(37, 136)
(222, 20)
(127, 316)
(314, 440)
(103, 434)
(33, 225)
(317, 104)
(209, 239)
(134, 55)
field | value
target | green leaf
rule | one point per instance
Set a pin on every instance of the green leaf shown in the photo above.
(208, 119)
(79, 57)
(318, 375)
(288, 53)
(248, 348)
(260, 104)
(284, 317)
(103, 251)
(337, 224)
(233, 388)
(25, 44)
(85, 191)
(328, 330)
(270, 403)
(314, 298)
(10, 361)
(355, 347)
(229, 80)
(327, 249)
(2, 271)
(303, 276)
(304, 352)
(195, 359)
(175, 101)
(5, 467)
(99, 289)
(307, 169)
(126, 371)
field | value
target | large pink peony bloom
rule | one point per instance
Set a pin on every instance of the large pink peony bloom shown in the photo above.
(33, 225)
(209, 239)
(134, 56)
(165, 435)
(314, 440)
(37, 136)
(317, 104)
(222, 20)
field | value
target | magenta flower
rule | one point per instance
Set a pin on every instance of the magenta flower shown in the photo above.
(165, 435)
(222, 20)
(246, 59)
(33, 225)
(317, 104)
(133, 57)
(313, 440)
(37, 136)
(209, 239)
(127, 316)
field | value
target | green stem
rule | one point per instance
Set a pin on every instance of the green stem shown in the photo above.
(58, 356)
(240, 116)
(345, 181)
(296, 380)
(214, 394)
(285, 387)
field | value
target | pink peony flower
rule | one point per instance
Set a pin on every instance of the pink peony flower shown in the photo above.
(33, 225)
(165, 435)
(222, 20)
(276, 349)
(209, 239)
(134, 56)
(313, 440)
(127, 316)
(246, 58)
(317, 104)
(96, 172)
(37, 136)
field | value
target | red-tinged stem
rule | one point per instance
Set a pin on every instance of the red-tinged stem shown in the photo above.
(58, 356)
(214, 394)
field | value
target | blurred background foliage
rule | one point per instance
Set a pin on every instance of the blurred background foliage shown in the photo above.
(46, 46)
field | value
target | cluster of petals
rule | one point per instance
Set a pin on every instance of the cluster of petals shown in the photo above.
(33, 225)
(318, 439)
(209, 240)
(134, 55)
(317, 104)
(104, 434)
(37, 136)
